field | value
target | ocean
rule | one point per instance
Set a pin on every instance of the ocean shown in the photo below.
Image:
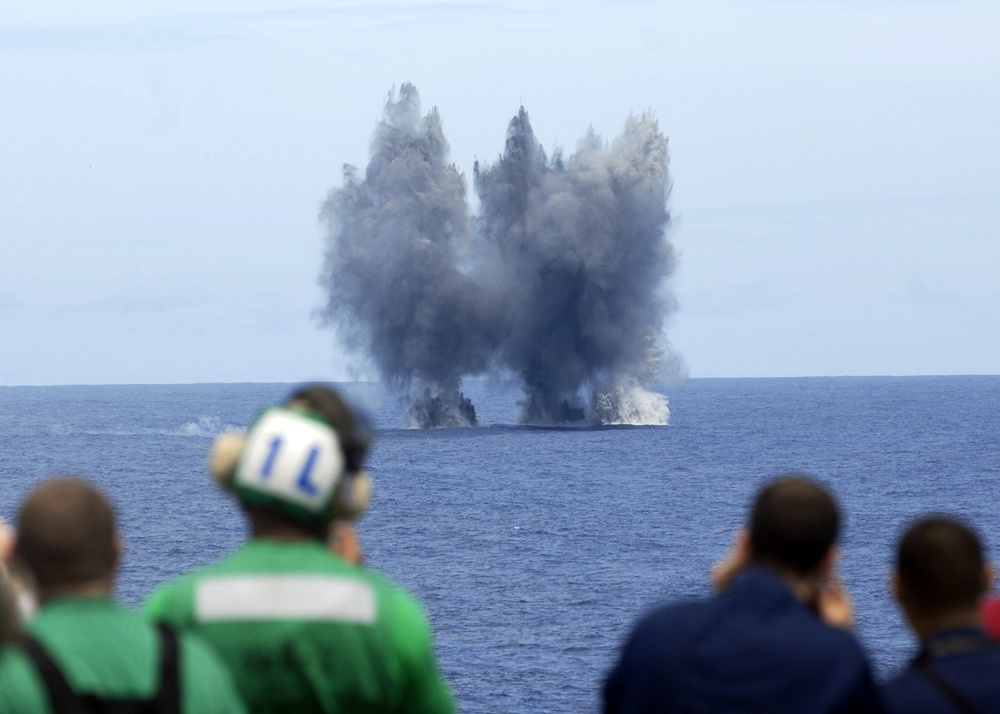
(535, 549)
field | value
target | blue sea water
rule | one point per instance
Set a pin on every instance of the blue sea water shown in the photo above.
(534, 549)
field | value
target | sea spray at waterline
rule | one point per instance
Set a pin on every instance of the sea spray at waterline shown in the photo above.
(629, 404)
(559, 279)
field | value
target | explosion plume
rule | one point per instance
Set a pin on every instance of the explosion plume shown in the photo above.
(559, 279)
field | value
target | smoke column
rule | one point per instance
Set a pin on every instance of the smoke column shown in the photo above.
(391, 271)
(559, 279)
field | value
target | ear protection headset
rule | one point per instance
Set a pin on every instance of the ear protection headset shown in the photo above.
(294, 461)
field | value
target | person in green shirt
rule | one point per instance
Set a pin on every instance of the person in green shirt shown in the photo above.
(82, 651)
(302, 629)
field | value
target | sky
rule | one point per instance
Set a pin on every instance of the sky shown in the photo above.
(835, 165)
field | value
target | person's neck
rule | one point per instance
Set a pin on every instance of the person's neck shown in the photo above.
(805, 588)
(283, 535)
(926, 627)
(265, 524)
(99, 588)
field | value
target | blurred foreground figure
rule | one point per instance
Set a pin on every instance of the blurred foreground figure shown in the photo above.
(302, 629)
(761, 645)
(82, 652)
(940, 579)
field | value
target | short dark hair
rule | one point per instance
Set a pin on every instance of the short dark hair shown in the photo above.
(940, 561)
(793, 523)
(66, 533)
(327, 403)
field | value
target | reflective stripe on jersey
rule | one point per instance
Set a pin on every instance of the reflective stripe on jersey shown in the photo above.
(277, 597)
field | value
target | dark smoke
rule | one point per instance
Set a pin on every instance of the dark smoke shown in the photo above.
(558, 279)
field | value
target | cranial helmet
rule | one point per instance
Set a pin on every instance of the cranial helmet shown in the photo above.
(303, 459)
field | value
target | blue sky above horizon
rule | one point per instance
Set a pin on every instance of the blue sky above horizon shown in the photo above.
(836, 171)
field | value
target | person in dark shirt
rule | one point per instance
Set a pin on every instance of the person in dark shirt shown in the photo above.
(761, 645)
(940, 579)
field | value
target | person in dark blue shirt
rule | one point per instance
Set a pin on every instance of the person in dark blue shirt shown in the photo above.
(939, 581)
(761, 645)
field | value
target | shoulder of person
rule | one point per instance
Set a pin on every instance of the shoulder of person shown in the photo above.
(403, 605)
(677, 619)
(403, 616)
(172, 602)
(680, 614)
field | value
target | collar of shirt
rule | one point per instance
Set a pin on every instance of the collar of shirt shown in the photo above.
(766, 588)
(761, 581)
(959, 640)
(67, 602)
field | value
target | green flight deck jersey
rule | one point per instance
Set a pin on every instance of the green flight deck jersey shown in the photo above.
(102, 649)
(304, 631)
